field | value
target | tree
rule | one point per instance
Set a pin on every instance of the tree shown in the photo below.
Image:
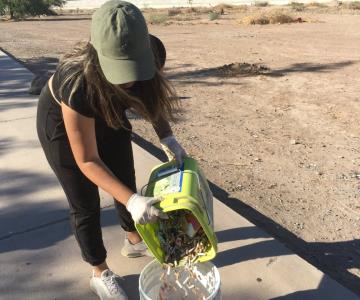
(18, 9)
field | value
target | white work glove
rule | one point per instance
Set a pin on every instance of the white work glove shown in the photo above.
(142, 210)
(173, 149)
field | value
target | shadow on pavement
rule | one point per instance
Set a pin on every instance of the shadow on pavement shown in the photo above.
(242, 233)
(130, 284)
(56, 216)
(17, 104)
(22, 212)
(8, 144)
(23, 273)
(14, 82)
(331, 258)
(20, 184)
(42, 64)
(253, 251)
(7, 64)
(321, 292)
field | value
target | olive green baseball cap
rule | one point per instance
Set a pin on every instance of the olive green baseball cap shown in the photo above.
(121, 39)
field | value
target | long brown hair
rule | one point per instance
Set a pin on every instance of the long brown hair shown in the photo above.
(155, 98)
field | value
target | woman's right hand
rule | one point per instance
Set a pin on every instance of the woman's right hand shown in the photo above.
(142, 210)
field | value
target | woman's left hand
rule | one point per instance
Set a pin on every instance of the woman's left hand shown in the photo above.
(173, 149)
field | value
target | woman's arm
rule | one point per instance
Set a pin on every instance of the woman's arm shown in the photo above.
(170, 145)
(162, 128)
(82, 138)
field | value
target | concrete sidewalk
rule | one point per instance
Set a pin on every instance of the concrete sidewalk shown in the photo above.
(39, 258)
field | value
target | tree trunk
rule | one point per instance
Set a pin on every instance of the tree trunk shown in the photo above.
(11, 11)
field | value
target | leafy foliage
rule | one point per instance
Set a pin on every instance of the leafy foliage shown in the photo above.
(261, 3)
(297, 6)
(213, 15)
(158, 18)
(18, 9)
(353, 5)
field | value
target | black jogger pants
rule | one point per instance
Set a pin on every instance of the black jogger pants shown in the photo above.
(115, 150)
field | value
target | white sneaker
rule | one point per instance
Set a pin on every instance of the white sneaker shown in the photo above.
(107, 286)
(135, 250)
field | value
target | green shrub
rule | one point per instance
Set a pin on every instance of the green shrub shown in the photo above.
(261, 3)
(174, 11)
(316, 4)
(353, 5)
(158, 18)
(222, 7)
(18, 9)
(276, 16)
(213, 15)
(297, 6)
(3, 8)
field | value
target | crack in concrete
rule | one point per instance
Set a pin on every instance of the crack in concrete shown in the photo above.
(11, 234)
(18, 119)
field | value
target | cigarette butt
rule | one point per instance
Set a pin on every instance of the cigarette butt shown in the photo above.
(162, 276)
(179, 284)
(177, 275)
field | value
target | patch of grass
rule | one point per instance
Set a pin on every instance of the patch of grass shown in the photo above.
(158, 18)
(203, 10)
(191, 10)
(241, 8)
(297, 6)
(185, 17)
(174, 11)
(213, 15)
(222, 7)
(261, 3)
(316, 4)
(276, 16)
(352, 5)
(255, 19)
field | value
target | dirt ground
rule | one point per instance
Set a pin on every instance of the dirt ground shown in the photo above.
(284, 144)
